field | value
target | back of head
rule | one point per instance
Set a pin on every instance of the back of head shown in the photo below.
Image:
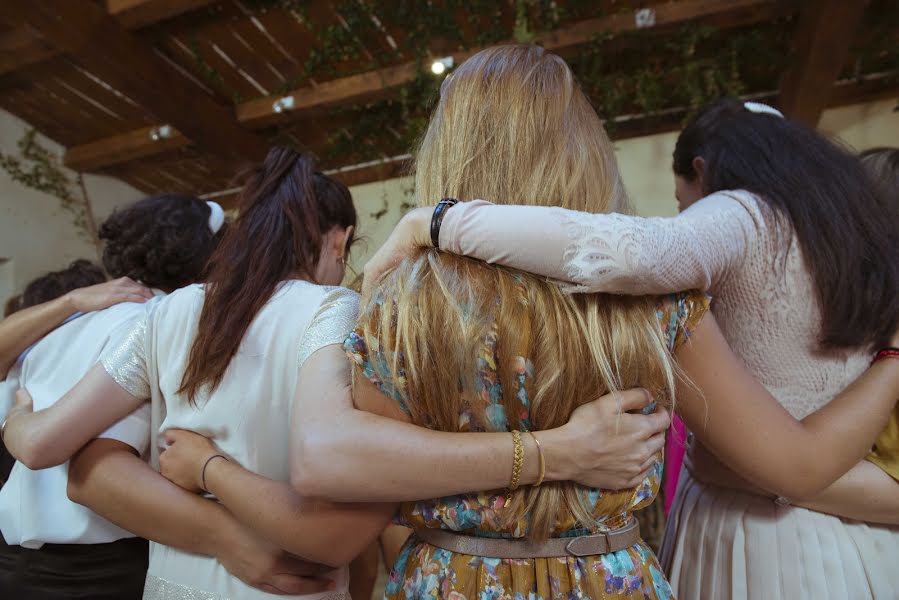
(285, 210)
(882, 166)
(512, 126)
(163, 241)
(81, 273)
(849, 242)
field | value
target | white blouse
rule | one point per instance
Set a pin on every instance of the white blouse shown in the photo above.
(248, 415)
(34, 507)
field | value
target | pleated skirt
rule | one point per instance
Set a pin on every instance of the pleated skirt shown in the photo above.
(725, 544)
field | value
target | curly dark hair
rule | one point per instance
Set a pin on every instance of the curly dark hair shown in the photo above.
(81, 273)
(162, 241)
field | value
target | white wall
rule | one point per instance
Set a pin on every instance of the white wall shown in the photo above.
(36, 234)
(645, 165)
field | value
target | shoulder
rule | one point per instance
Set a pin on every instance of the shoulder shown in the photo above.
(680, 314)
(332, 321)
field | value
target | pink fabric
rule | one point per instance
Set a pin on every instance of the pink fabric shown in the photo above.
(674, 458)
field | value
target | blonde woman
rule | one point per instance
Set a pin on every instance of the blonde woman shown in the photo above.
(779, 224)
(453, 344)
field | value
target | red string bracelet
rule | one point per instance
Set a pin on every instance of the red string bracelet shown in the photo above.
(890, 352)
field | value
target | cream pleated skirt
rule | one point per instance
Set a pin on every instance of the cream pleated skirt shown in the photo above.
(722, 544)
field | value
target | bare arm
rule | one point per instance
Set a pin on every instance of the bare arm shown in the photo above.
(51, 436)
(27, 326)
(109, 478)
(347, 454)
(743, 425)
(315, 529)
(865, 493)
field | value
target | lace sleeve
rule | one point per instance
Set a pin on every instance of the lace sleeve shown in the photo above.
(331, 324)
(610, 252)
(126, 362)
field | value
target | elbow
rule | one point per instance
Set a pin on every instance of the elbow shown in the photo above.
(75, 490)
(802, 484)
(309, 473)
(37, 454)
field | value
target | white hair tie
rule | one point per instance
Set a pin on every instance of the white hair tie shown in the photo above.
(759, 108)
(216, 216)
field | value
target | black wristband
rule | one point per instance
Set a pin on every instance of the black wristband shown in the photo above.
(203, 472)
(437, 219)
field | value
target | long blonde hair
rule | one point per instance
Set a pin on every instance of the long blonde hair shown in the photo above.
(512, 126)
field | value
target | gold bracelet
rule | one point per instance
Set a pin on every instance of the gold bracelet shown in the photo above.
(542, 460)
(517, 464)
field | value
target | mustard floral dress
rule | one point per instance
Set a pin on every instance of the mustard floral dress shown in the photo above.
(424, 571)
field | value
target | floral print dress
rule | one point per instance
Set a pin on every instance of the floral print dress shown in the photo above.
(425, 571)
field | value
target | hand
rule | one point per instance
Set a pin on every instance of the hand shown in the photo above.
(182, 461)
(104, 295)
(23, 406)
(262, 565)
(607, 447)
(412, 232)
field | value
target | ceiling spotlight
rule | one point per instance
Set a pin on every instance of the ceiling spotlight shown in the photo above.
(439, 66)
(282, 104)
(161, 132)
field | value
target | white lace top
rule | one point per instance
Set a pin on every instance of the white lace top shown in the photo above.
(728, 244)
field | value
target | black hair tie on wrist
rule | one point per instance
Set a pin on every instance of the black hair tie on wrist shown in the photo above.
(437, 219)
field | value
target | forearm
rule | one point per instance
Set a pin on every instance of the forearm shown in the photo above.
(51, 436)
(315, 530)
(25, 327)
(865, 493)
(357, 456)
(119, 486)
(605, 252)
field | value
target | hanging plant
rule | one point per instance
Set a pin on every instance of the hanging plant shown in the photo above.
(39, 169)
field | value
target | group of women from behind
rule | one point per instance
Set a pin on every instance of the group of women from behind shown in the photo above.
(314, 418)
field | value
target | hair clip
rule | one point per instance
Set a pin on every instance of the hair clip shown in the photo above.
(759, 108)
(216, 216)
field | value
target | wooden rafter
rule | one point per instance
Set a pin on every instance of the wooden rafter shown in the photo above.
(131, 67)
(824, 34)
(370, 85)
(23, 46)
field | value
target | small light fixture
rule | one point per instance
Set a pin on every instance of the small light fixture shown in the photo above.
(439, 66)
(160, 133)
(282, 104)
(645, 17)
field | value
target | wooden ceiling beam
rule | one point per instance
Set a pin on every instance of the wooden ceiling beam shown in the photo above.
(821, 45)
(310, 100)
(23, 46)
(130, 66)
(844, 94)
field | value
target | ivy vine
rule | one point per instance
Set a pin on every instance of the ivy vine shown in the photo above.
(39, 169)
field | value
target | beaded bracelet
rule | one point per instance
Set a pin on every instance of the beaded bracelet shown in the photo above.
(437, 219)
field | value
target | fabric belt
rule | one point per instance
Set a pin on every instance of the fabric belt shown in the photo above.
(587, 545)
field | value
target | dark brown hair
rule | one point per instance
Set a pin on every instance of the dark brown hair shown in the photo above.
(81, 273)
(882, 165)
(286, 208)
(849, 242)
(163, 241)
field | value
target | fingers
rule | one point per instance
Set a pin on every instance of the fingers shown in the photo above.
(658, 422)
(297, 566)
(23, 399)
(655, 444)
(634, 399)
